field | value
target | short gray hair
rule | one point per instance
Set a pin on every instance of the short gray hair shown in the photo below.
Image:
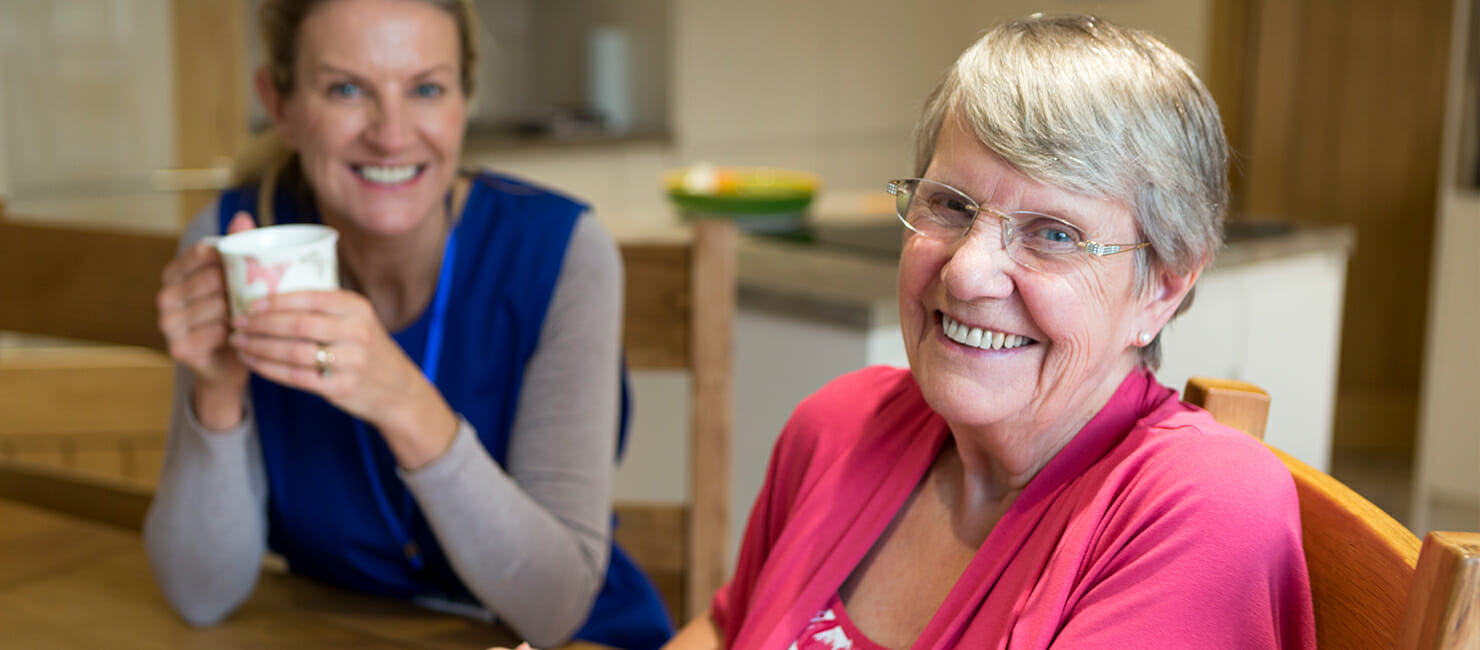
(1088, 106)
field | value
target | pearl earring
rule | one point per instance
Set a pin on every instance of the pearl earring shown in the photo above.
(1144, 338)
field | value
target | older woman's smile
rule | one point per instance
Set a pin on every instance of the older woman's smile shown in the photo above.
(978, 337)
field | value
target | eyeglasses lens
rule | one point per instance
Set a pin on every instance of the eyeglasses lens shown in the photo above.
(939, 211)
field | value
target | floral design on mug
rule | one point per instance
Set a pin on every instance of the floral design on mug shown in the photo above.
(270, 274)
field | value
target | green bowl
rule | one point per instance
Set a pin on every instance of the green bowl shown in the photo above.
(756, 198)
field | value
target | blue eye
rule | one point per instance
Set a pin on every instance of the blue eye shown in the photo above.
(346, 89)
(1055, 235)
(1047, 234)
(429, 90)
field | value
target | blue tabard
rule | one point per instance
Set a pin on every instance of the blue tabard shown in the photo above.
(336, 509)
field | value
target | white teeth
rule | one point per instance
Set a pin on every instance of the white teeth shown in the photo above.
(387, 175)
(979, 338)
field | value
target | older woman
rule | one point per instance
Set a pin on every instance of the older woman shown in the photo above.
(1027, 483)
(442, 429)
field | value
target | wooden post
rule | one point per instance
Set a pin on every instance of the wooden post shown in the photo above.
(712, 409)
(210, 88)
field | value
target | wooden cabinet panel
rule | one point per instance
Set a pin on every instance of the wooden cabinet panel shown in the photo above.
(1343, 105)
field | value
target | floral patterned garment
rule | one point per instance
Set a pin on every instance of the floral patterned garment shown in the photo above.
(831, 629)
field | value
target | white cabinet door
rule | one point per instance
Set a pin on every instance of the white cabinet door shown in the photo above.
(1276, 323)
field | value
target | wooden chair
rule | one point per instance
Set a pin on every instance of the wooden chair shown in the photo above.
(82, 428)
(1372, 583)
(96, 409)
(680, 314)
(84, 283)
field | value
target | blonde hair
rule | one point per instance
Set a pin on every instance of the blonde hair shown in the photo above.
(266, 157)
(1085, 105)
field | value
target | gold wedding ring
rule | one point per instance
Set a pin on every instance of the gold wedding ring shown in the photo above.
(323, 358)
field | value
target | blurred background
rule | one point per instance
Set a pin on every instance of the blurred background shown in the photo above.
(1360, 116)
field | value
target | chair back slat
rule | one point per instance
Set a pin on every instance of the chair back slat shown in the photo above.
(657, 327)
(83, 283)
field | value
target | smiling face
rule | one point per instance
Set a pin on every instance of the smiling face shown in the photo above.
(1059, 343)
(377, 112)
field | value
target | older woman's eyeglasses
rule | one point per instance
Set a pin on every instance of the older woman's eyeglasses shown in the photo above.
(1037, 241)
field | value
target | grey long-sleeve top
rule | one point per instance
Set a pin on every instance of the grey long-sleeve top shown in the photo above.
(530, 540)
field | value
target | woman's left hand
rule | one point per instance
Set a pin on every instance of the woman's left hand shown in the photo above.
(332, 343)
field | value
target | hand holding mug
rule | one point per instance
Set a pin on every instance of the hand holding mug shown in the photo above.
(194, 318)
(332, 343)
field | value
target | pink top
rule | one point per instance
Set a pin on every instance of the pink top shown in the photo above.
(1154, 527)
(831, 629)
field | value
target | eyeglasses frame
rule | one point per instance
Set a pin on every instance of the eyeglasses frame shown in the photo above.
(1090, 246)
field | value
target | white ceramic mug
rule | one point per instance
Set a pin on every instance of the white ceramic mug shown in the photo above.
(277, 259)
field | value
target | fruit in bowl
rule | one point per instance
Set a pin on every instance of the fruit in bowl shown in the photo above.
(757, 198)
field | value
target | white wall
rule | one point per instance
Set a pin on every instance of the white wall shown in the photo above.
(88, 108)
(7, 29)
(1446, 493)
(831, 86)
(1446, 488)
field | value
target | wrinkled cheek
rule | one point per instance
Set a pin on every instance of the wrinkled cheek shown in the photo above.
(1070, 326)
(1066, 359)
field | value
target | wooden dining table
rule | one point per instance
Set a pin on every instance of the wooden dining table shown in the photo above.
(67, 582)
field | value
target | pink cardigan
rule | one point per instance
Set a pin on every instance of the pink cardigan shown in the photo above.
(1155, 527)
